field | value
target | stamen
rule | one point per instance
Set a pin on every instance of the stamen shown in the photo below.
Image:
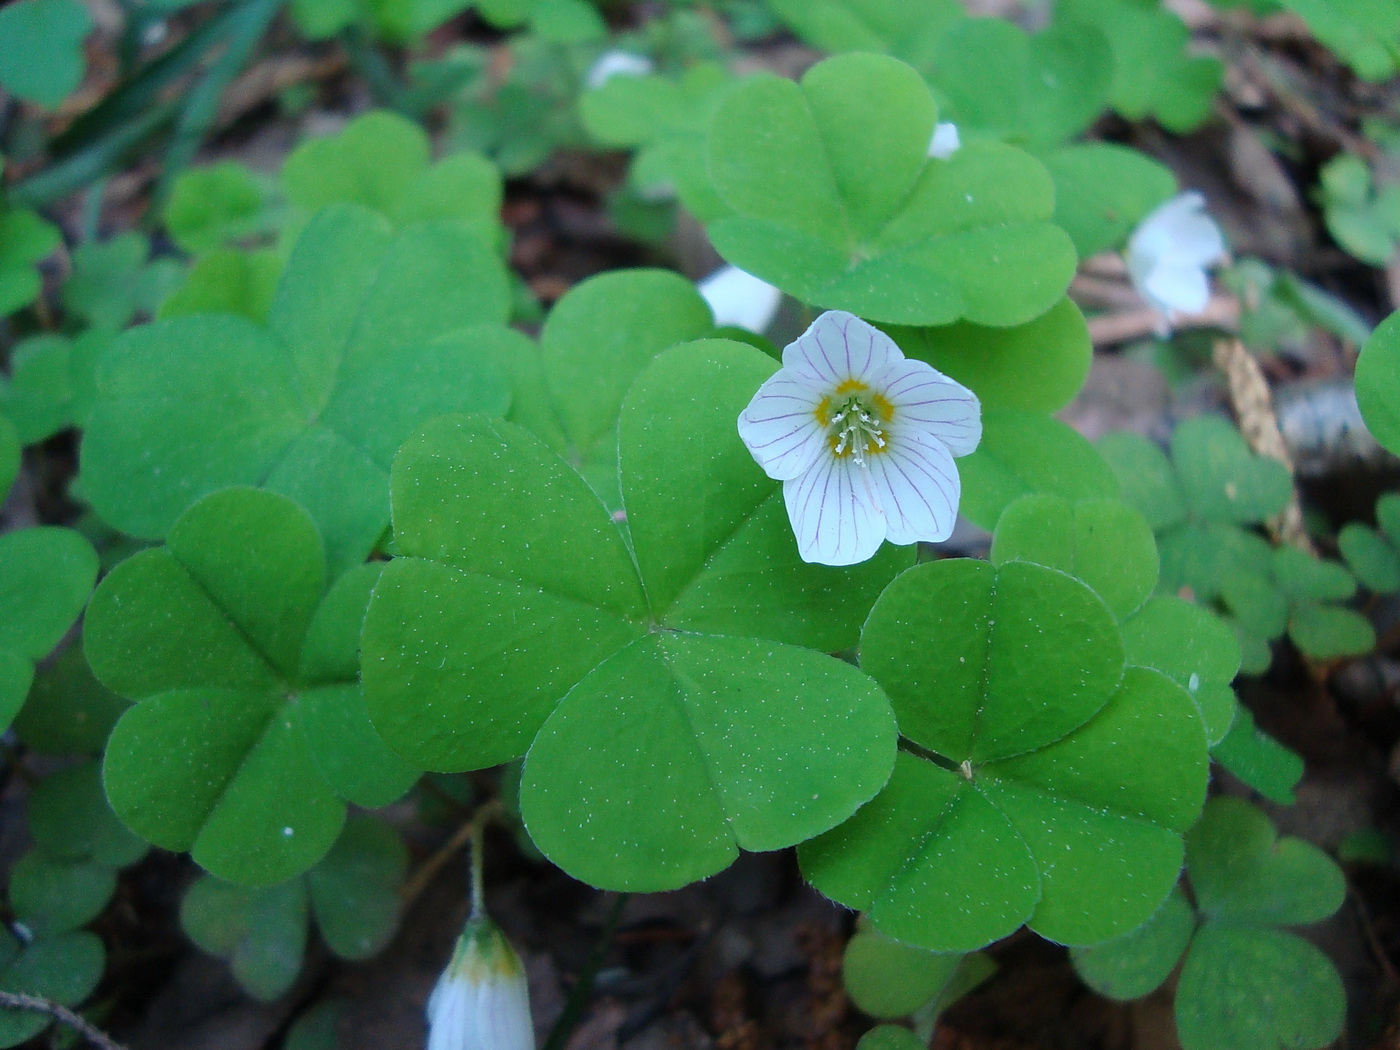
(856, 430)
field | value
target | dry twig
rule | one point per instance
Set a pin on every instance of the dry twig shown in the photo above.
(61, 1014)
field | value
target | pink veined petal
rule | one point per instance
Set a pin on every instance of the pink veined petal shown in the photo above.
(833, 514)
(840, 346)
(926, 400)
(916, 485)
(780, 425)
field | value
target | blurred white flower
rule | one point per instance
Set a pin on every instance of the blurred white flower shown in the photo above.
(617, 64)
(1168, 255)
(862, 439)
(740, 299)
(945, 141)
(481, 1001)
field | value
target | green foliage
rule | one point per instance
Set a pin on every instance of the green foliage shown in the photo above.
(1363, 33)
(836, 201)
(1058, 773)
(69, 711)
(1193, 647)
(42, 60)
(908, 31)
(560, 21)
(1279, 311)
(766, 744)
(1378, 383)
(889, 1037)
(9, 456)
(381, 161)
(1259, 760)
(887, 979)
(352, 893)
(1036, 91)
(113, 282)
(1023, 453)
(24, 240)
(250, 733)
(1154, 74)
(49, 573)
(63, 967)
(1362, 217)
(1374, 554)
(665, 121)
(1103, 543)
(1038, 366)
(215, 206)
(38, 398)
(1244, 982)
(227, 281)
(368, 337)
(1103, 190)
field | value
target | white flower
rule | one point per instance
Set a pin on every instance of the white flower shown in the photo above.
(617, 64)
(740, 299)
(862, 439)
(1169, 252)
(945, 141)
(481, 1001)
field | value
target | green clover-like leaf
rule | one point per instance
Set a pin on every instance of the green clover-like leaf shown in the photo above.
(1136, 964)
(482, 639)
(1196, 649)
(1378, 383)
(1104, 543)
(115, 281)
(1037, 367)
(69, 711)
(1063, 785)
(837, 202)
(63, 967)
(24, 240)
(369, 336)
(1259, 760)
(43, 56)
(908, 31)
(250, 733)
(1103, 190)
(888, 979)
(1022, 453)
(1363, 33)
(214, 206)
(49, 573)
(380, 161)
(228, 281)
(1153, 75)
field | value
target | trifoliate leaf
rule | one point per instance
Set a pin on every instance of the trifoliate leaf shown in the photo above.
(718, 569)
(1378, 383)
(70, 819)
(64, 967)
(1103, 190)
(1222, 479)
(24, 240)
(837, 202)
(214, 206)
(1259, 760)
(367, 339)
(887, 979)
(228, 281)
(1136, 964)
(908, 31)
(261, 932)
(1069, 786)
(236, 750)
(114, 281)
(1192, 646)
(1371, 556)
(52, 896)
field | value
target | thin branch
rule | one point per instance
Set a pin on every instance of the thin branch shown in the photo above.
(61, 1014)
(1223, 311)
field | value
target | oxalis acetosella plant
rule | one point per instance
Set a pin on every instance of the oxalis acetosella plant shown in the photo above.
(695, 593)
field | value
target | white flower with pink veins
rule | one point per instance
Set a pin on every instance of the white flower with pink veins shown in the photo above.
(863, 440)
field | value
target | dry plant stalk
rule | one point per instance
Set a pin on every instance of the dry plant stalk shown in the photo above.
(1254, 407)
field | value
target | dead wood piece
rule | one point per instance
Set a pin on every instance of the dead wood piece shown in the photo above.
(1124, 326)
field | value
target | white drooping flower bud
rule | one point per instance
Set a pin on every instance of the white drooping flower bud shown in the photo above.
(738, 299)
(1168, 255)
(481, 1001)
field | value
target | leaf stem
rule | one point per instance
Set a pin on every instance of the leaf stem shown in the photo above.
(583, 989)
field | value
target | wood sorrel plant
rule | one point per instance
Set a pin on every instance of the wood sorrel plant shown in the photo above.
(389, 535)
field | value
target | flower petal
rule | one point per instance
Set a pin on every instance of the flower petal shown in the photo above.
(833, 514)
(945, 142)
(917, 488)
(1180, 287)
(780, 426)
(840, 346)
(738, 298)
(926, 400)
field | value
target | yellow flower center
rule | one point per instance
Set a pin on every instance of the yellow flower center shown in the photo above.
(855, 418)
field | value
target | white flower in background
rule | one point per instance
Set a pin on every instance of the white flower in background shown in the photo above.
(1168, 255)
(740, 299)
(862, 439)
(481, 1001)
(945, 141)
(617, 64)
